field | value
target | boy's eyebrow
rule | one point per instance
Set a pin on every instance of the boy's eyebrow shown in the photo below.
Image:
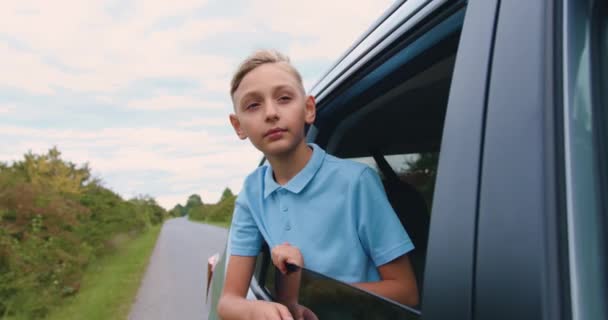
(248, 95)
(255, 93)
(282, 87)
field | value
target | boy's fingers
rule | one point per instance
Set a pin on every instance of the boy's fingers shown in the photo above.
(281, 266)
(299, 313)
(284, 312)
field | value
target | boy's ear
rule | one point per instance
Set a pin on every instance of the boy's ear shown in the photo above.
(236, 124)
(311, 110)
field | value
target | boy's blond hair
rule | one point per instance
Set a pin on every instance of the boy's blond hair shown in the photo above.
(259, 58)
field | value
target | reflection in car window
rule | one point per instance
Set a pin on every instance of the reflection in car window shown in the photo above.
(583, 170)
(326, 298)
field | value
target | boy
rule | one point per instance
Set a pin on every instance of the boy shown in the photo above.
(314, 210)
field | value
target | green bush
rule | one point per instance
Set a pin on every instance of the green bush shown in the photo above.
(219, 212)
(54, 221)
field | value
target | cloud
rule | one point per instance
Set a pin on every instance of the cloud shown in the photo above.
(108, 53)
(323, 29)
(189, 160)
(6, 109)
(86, 48)
(174, 102)
(204, 122)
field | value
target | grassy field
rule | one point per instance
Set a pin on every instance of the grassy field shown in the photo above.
(110, 284)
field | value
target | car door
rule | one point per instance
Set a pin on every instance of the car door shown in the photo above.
(541, 250)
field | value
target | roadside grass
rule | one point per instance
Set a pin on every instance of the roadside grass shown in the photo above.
(222, 224)
(110, 284)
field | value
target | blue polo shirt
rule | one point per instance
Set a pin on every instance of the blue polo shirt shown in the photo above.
(334, 210)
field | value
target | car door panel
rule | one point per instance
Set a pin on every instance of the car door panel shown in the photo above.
(513, 265)
(449, 270)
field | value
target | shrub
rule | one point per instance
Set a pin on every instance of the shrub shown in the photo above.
(55, 220)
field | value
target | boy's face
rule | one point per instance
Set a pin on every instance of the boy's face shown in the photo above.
(271, 109)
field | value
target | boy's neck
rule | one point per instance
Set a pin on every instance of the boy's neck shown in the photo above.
(287, 166)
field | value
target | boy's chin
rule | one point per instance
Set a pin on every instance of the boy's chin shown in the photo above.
(277, 148)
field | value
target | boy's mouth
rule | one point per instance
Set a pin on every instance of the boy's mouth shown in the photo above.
(273, 131)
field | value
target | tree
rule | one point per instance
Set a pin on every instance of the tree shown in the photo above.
(51, 172)
(194, 201)
(226, 194)
(178, 211)
(421, 173)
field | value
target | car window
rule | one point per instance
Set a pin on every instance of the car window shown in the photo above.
(394, 124)
(586, 157)
(328, 298)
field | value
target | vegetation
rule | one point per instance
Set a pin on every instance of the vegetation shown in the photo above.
(55, 220)
(219, 214)
(422, 173)
(103, 294)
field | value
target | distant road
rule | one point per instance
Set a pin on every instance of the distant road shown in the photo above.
(175, 281)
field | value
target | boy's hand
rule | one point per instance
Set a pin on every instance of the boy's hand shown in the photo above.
(265, 310)
(301, 312)
(284, 254)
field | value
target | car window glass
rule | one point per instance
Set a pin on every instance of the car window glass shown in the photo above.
(321, 297)
(584, 160)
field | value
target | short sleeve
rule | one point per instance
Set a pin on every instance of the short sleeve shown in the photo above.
(379, 228)
(245, 237)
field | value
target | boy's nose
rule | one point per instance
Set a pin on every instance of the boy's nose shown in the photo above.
(271, 112)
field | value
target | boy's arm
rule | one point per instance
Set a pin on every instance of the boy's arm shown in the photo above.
(384, 239)
(398, 282)
(234, 305)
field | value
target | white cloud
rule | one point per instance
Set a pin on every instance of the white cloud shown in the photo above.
(6, 109)
(104, 54)
(205, 122)
(329, 27)
(174, 102)
(220, 84)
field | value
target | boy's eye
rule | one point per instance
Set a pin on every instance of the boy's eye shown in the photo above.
(285, 98)
(251, 106)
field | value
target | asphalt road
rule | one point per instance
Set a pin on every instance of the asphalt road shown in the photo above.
(175, 281)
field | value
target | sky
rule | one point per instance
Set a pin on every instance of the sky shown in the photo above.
(139, 89)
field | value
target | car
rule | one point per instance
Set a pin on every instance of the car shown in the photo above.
(487, 122)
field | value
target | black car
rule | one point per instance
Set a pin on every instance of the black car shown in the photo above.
(487, 121)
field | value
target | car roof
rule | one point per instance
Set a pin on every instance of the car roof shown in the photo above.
(368, 44)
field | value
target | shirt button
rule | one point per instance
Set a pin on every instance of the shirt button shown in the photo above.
(284, 209)
(287, 227)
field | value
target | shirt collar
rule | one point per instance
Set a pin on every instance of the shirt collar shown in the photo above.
(297, 183)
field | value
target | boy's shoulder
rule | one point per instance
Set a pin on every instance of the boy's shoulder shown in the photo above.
(344, 167)
(256, 176)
